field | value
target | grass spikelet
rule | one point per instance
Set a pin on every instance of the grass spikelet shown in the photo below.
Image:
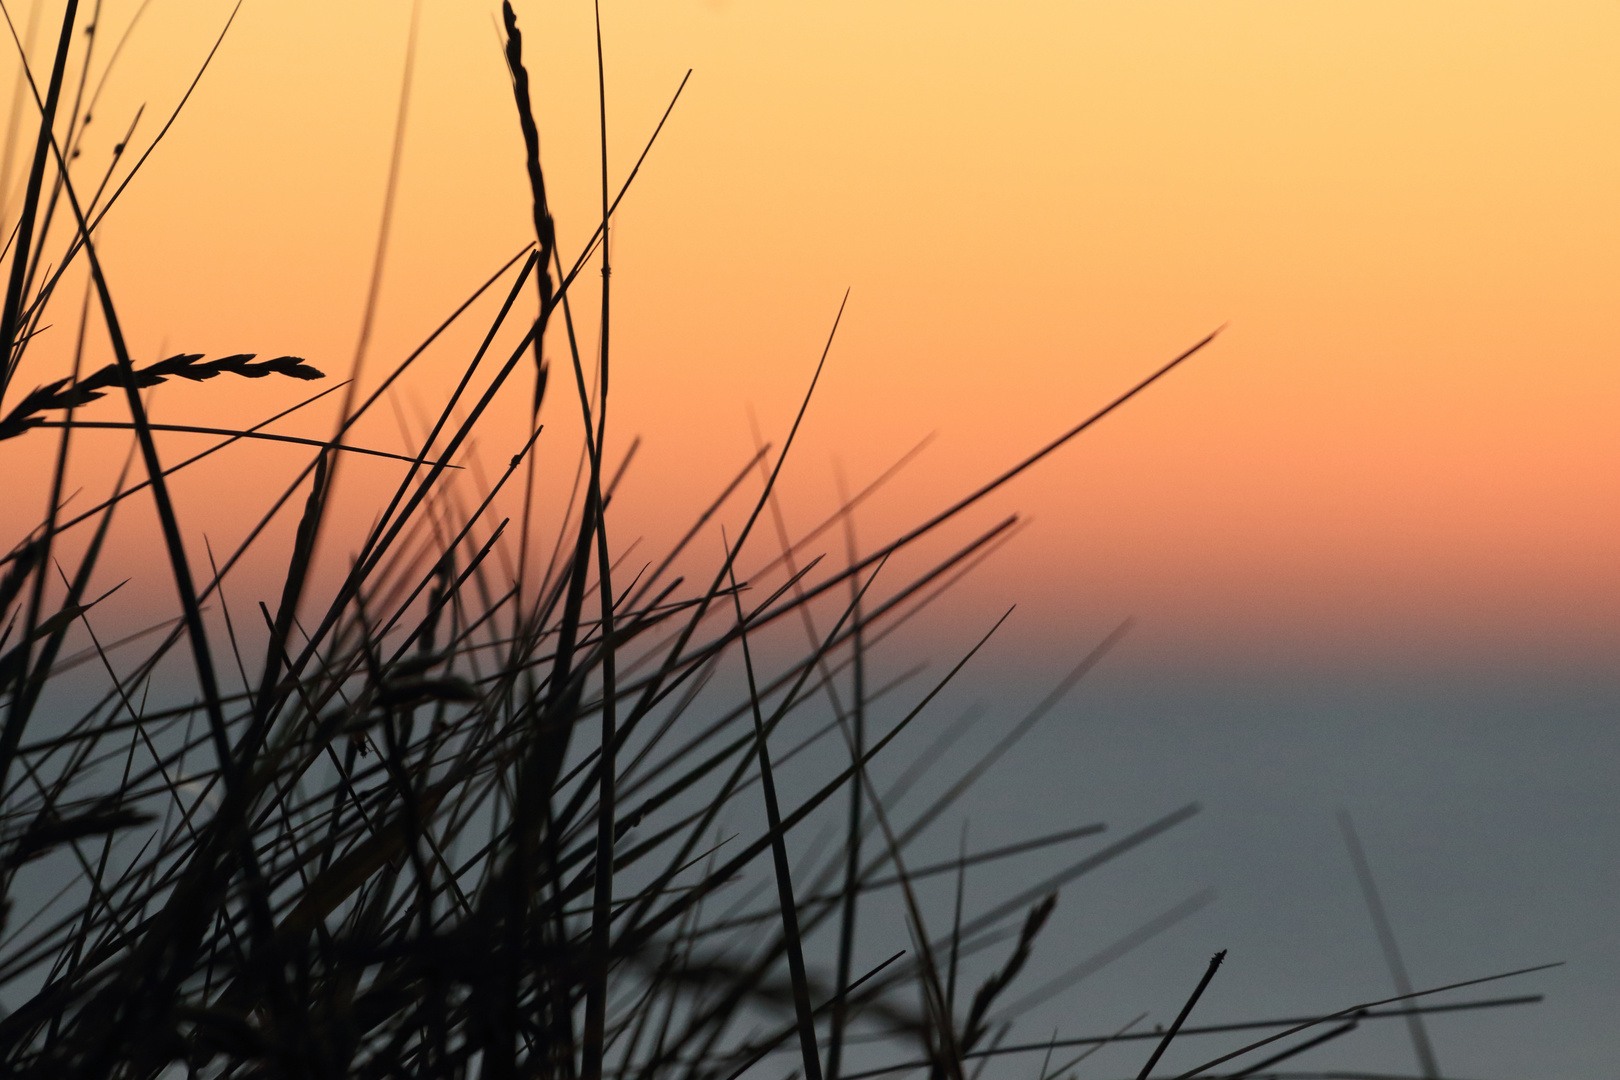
(66, 393)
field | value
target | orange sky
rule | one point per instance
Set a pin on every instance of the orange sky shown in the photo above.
(1403, 447)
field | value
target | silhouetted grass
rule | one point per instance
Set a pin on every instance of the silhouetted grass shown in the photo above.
(458, 822)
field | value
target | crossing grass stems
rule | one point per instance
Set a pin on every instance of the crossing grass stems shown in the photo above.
(460, 821)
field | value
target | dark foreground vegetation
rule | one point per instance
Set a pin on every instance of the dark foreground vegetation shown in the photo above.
(464, 816)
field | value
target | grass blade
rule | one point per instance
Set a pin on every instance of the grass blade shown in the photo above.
(1181, 1017)
(1386, 940)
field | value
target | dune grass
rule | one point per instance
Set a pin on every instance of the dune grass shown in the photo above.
(467, 815)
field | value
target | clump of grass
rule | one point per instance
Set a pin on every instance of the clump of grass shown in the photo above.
(460, 823)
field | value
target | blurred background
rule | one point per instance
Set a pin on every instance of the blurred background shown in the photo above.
(1368, 536)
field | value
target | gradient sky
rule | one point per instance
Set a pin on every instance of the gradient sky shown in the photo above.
(1401, 447)
(1400, 460)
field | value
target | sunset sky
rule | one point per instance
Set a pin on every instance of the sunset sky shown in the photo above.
(1401, 447)
(1400, 460)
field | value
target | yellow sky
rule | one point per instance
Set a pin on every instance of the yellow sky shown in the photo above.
(1407, 213)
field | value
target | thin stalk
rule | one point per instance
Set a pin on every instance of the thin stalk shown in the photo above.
(1386, 940)
(9, 314)
(602, 906)
(784, 879)
(1181, 1017)
(852, 843)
